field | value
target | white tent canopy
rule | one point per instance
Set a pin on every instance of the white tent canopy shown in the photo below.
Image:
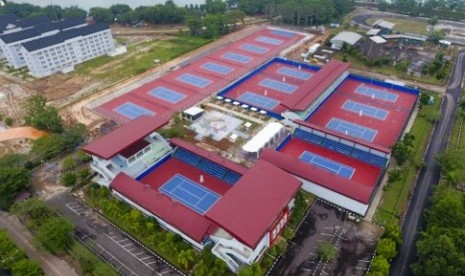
(269, 133)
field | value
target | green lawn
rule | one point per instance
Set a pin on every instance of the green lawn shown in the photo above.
(403, 25)
(396, 197)
(457, 143)
(139, 58)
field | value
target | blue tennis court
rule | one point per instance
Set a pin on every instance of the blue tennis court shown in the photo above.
(194, 80)
(376, 93)
(258, 100)
(132, 110)
(217, 68)
(294, 73)
(237, 57)
(363, 109)
(189, 193)
(283, 33)
(327, 164)
(254, 48)
(167, 94)
(269, 40)
(278, 86)
(352, 129)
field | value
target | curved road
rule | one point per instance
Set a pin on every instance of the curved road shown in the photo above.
(429, 174)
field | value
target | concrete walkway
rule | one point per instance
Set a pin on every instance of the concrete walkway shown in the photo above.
(50, 264)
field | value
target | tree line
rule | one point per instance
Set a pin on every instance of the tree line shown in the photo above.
(213, 18)
(444, 9)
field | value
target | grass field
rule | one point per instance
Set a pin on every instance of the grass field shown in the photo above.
(391, 71)
(139, 58)
(403, 25)
(396, 196)
(456, 144)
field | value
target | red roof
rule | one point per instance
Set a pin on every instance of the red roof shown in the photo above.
(184, 219)
(209, 155)
(355, 190)
(311, 90)
(116, 141)
(343, 136)
(250, 207)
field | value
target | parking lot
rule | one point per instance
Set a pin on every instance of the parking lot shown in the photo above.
(111, 244)
(355, 244)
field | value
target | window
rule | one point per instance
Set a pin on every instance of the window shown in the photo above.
(132, 159)
(139, 154)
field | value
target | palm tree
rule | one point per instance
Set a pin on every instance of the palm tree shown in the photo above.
(185, 258)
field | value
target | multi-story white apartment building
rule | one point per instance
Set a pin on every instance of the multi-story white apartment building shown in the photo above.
(61, 51)
(10, 42)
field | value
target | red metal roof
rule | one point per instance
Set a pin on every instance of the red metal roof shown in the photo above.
(311, 90)
(184, 219)
(249, 208)
(343, 136)
(209, 155)
(355, 190)
(116, 141)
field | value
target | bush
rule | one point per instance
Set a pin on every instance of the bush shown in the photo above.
(69, 163)
(9, 121)
(69, 179)
(326, 251)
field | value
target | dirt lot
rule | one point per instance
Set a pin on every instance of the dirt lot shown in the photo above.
(355, 244)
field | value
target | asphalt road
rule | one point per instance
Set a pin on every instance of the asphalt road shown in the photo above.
(108, 242)
(429, 175)
(50, 264)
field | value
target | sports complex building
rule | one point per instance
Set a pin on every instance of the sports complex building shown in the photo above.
(339, 131)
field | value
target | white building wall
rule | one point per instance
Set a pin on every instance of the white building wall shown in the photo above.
(64, 56)
(13, 53)
(335, 198)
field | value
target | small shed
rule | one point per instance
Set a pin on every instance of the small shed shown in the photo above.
(192, 113)
(350, 38)
(385, 26)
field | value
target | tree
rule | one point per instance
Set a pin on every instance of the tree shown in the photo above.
(73, 136)
(326, 251)
(12, 181)
(55, 234)
(32, 208)
(40, 115)
(47, 146)
(394, 175)
(186, 258)
(26, 267)
(386, 248)
(101, 14)
(383, 5)
(433, 20)
(401, 152)
(74, 11)
(54, 12)
(120, 10)
(392, 231)
(402, 66)
(9, 121)
(251, 270)
(447, 209)
(379, 267)
(69, 163)
(68, 179)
